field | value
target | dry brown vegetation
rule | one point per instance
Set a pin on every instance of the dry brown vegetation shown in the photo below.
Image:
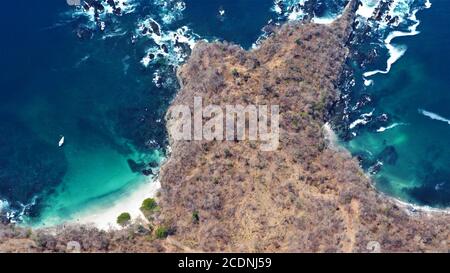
(303, 197)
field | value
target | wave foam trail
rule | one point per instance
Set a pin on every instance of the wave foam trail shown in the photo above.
(395, 52)
(170, 11)
(120, 7)
(290, 9)
(363, 120)
(382, 129)
(293, 10)
(3, 205)
(173, 46)
(367, 8)
(434, 116)
(324, 20)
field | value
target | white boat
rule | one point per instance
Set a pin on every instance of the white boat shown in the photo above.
(61, 141)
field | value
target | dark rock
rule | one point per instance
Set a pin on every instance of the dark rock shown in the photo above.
(147, 172)
(142, 231)
(134, 166)
(375, 168)
(153, 164)
(155, 28)
(164, 48)
(389, 155)
(118, 11)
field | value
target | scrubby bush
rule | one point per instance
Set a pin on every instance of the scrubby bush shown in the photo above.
(162, 232)
(149, 204)
(195, 217)
(124, 219)
(235, 72)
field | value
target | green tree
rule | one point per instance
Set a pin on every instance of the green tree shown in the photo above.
(124, 219)
(162, 232)
(149, 204)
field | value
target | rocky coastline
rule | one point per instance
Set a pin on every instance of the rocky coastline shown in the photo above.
(305, 196)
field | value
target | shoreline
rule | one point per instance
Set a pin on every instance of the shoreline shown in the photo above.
(105, 218)
(410, 208)
(231, 197)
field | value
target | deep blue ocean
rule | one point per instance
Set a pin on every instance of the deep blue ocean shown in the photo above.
(401, 119)
(104, 82)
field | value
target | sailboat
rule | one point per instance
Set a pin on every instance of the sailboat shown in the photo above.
(61, 141)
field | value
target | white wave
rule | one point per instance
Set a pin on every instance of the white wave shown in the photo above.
(170, 11)
(360, 121)
(296, 14)
(434, 116)
(117, 33)
(4, 204)
(364, 119)
(157, 79)
(82, 60)
(168, 44)
(125, 6)
(17, 214)
(368, 82)
(396, 51)
(382, 129)
(221, 12)
(366, 115)
(277, 7)
(290, 9)
(401, 10)
(367, 8)
(145, 61)
(324, 20)
(439, 186)
(293, 10)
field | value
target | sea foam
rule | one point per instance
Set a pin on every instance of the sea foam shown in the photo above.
(400, 9)
(434, 116)
(293, 10)
(364, 119)
(382, 129)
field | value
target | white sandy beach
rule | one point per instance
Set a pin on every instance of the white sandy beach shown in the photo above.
(105, 217)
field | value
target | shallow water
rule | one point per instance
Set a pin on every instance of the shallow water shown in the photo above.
(413, 144)
(96, 93)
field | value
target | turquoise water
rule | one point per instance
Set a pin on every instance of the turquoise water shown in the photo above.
(409, 153)
(63, 76)
(106, 91)
(93, 92)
